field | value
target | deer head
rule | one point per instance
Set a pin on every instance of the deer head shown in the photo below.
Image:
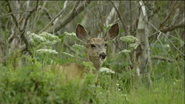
(97, 47)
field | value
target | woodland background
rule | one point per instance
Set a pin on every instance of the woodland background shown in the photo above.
(147, 56)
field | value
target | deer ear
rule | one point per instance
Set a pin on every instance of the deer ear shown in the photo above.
(81, 33)
(113, 32)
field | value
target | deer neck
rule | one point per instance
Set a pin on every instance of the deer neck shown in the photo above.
(97, 63)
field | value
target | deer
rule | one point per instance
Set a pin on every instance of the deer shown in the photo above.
(96, 53)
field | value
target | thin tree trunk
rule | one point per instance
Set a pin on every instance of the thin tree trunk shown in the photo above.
(144, 59)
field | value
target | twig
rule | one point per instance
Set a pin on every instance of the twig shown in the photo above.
(131, 20)
(28, 16)
(10, 13)
(173, 27)
(53, 20)
(168, 16)
(124, 27)
(27, 48)
(72, 14)
(163, 58)
(13, 17)
(174, 46)
(180, 25)
(46, 11)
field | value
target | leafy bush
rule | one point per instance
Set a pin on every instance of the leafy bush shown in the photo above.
(31, 84)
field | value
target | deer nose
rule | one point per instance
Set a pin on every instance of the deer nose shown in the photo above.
(102, 55)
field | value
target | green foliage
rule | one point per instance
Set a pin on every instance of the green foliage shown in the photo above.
(43, 39)
(133, 42)
(32, 84)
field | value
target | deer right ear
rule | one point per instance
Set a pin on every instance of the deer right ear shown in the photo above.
(82, 34)
(113, 32)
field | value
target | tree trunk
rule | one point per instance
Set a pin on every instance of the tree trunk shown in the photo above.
(143, 59)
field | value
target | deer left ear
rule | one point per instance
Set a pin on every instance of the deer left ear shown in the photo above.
(82, 34)
(113, 32)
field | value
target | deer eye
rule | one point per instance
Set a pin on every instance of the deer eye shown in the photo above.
(105, 44)
(93, 46)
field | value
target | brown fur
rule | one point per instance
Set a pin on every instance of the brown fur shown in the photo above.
(68, 71)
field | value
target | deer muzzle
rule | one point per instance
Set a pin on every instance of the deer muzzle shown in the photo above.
(102, 55)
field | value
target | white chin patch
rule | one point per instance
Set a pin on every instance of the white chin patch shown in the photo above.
(102, 59)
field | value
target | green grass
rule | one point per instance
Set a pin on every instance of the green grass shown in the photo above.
(163, 92)
(30, 84)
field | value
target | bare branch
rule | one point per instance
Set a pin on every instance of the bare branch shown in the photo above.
(10, 13)
(27, 48)
(46, 11)
(124, 27)
(28, 16)
(13, 17)
(174, 46)
(53, 19)
(72, 14)
(168, 16)
(180, 25)
(163, 58)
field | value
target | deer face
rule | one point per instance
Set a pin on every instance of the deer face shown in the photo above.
(97, 49)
